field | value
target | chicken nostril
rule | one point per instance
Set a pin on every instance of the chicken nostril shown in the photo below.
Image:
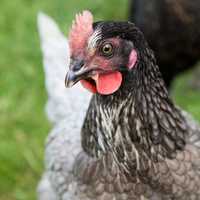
(78, 64)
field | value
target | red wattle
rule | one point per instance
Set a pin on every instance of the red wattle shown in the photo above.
(87, 85)
(105, 84)
(108, 83)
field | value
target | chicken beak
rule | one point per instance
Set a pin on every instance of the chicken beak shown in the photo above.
(71, 79)
(76, 72)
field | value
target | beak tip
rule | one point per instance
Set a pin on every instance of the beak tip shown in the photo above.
(68, 85)
(69, 80)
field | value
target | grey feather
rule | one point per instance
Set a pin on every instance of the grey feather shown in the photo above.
(63, 143)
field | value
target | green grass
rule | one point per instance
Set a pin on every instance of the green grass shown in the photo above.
(23, 124)
(185, 96)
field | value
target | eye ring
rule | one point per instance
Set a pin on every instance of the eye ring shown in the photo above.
(107, 49)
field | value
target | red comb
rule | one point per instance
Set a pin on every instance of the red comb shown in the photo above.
(80, 32)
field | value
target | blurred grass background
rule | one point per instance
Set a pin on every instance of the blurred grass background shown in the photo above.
(23, 124)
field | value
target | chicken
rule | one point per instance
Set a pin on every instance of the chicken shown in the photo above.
(135, 143)
(172, 30)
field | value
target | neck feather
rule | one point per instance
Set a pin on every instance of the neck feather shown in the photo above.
(138, 121)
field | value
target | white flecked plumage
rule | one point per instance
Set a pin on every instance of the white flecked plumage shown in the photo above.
(63, 143)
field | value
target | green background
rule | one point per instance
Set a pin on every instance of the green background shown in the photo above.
(23, 124)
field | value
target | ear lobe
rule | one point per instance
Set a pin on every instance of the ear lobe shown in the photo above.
(132, 59)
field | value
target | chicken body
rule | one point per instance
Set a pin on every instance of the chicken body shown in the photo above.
(172, 31)
(75, 175)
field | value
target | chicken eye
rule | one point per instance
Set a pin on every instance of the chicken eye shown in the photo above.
(107, 49)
